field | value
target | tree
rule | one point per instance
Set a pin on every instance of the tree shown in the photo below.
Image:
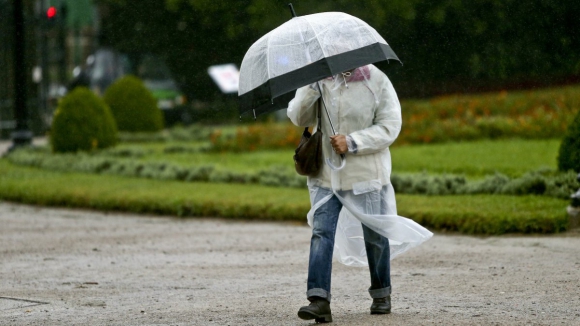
(445, 45)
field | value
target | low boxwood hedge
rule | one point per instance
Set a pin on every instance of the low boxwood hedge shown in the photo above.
(471, 214)
(119, 162)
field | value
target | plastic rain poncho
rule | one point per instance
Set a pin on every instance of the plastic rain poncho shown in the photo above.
(363, 105)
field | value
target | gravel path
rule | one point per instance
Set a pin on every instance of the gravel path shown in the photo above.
(73, 267)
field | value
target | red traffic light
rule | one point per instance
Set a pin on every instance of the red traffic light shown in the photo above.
(51, 12)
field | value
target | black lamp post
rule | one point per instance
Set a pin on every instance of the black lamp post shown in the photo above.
(22, 136)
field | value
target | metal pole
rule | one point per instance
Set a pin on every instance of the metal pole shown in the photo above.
(22, 136)
(342, 156)
(44, 63)
(41, 62)
(326, 109)
(61, 39)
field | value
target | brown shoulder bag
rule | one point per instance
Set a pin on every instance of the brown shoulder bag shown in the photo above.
(308, 154)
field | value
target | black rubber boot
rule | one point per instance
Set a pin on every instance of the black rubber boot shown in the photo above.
(381, 306)
(318, 309)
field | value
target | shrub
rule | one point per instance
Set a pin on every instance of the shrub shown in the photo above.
(133, 106)
(82, 122)
(530, 183)
(543, 182)
(569, 154)
(125, 152)
(491, 184)
(474, 214)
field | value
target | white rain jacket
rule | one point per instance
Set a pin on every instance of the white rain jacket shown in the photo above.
(365, 107)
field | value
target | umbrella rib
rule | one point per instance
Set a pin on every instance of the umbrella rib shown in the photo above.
(316, 37)
(268, 56)
(288, 44)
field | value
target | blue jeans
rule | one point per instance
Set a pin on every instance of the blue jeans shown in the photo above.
(322, 246)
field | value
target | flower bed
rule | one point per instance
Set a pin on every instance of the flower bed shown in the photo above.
(527, 114)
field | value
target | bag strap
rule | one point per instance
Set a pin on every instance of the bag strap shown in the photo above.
(318, 117)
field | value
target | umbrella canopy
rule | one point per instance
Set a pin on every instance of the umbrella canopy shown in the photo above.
(302, 51)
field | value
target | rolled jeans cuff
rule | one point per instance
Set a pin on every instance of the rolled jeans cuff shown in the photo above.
(318, 292)
(380, 293)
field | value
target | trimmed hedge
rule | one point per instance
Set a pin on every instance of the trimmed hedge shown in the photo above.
(540, 182)
(138, 195)
(120, 162)
(475, 214)
(133, 106)
(193, 132)
(486, 214)
(82, 122)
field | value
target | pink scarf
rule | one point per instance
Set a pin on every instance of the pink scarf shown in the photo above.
(358, 74)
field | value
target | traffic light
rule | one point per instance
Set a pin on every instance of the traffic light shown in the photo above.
(55, 16)
(51, 13)
(51, 18)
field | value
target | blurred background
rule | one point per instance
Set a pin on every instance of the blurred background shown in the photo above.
(447, 47)
(489, 89)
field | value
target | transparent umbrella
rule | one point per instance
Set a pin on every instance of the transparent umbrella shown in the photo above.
(302, 51)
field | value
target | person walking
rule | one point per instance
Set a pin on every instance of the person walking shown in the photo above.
(353, 193)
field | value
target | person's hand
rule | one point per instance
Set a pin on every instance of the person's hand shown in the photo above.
(339, 144)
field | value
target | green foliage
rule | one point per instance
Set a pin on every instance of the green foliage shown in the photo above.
(537, 114)
(540, 182)
(82, 122)
(141, 137)
(107, 192)
(491, 184)
(486, 214)
(476, 159)
(569, 154)
(541, 113)
(475, 214)
(194, 132)
(133, 106)
(447, 46)
(512, 157)
(134, 152)
(121, 162)
(256, 137)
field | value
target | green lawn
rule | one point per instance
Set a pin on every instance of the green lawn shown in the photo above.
(106, 192)
(512, 157)
(481, 214)
(240, 162)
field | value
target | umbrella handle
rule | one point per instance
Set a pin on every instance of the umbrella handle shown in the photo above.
(342, 156)
(334, 167)
(292, 10)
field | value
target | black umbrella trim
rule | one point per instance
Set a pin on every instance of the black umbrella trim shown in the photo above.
(275, 93)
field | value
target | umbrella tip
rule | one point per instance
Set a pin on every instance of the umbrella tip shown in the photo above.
(292, 10)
